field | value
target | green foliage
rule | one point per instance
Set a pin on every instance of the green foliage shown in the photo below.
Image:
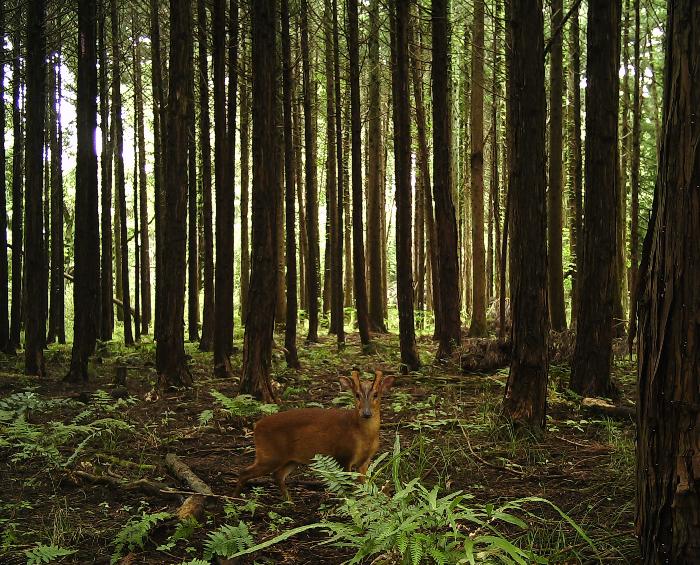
(205, 417)
(243, 406)
(183, 531)
(227, 541)
(20, 404)
(135, 533)
(46, 554)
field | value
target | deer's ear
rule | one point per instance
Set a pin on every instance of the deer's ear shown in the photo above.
(386, 383)
(356, 379)
(378, 377)
(347, 382)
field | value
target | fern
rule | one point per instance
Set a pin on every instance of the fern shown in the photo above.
(243, 405)
(227, 541)
(336, 479)
(205, 417)
(46, 554)
(135, 533)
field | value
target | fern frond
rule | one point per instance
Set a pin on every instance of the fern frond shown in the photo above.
(46, 554)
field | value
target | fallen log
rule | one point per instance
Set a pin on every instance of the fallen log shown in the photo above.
(599, 407)
(194, 504)
(153, 488)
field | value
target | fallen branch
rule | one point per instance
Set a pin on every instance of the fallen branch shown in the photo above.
(602, 408)
(194, 504)
(125, 463)
(153, 488)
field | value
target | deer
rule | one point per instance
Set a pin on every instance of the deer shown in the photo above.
(287, 439)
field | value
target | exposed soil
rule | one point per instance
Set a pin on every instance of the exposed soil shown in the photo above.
(448, 421)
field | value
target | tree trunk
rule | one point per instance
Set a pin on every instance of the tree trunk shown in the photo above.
(304, 246)
(290, 329)
(137, 248)
(478, 321)
(668, 475)
(171, 363)
(312, 262)
(35, 332)
(358, 247)
(192, 209)
(223, 314)
(16, 314)
(206, 342)
(231, 142)
(590, 374)
(86, 286)
(526, 391)
(349, 265)
(120, 188)
(337, 276)
(402, 161)
(445, 221)
(4, 268)
(555, 278)
(374, 172)
(257, 346)
(145, 253)
(245, 181)
(575, 166)
(494, 256)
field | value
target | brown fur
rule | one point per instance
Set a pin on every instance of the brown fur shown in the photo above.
(287, 439)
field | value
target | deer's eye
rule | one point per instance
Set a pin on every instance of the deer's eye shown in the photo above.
(376, 395)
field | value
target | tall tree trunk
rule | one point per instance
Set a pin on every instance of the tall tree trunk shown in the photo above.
(4, 267)
(245, 181)
(257, 346)
(590, 374)
(555, 278)
(160, 157)
(35, 332)
(106, 269)
(402, 160)
(137, 247)
(16, 314)
(120, 186)
(223, 314)
(575, 165)
(171, 363)
(636, 131)
(654, 94)
(304, 246)
(312, 262)
(358, 247)
(668, 475)
(374, 172)
(145, 251)
(192, 210)
(86, 286)
(290, 330)
(349, 264)
(526, 391)
(232, 101)
(445, 221)
(337, 277)
(495, 197)
(478, 321)
(207, 341)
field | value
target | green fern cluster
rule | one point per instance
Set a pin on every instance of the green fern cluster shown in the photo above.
(135, 533)
(243, 405)
(20, 404)
(46, 554)
(227, 540)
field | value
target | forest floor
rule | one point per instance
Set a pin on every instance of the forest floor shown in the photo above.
(55, 440)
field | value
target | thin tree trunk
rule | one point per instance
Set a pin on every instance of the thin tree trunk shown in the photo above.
(223, 315)
(4, 268)
(304, 245)
(290, 330)
(206, 342)
(192, 211)
(526, 391)
(137, 249)
(337, 276)
(349, 265)
(257, 347)
(171, 363)
(312, 259)
(232, 100)
(668, 475)
(494, 256)
(445, 221)
(476, 136)
(402, 160)
(555, 272)
(654, 93)
(35, 332)
(590, 374)
(86, 286)
(16, 314)
(245, 180)
(358, 247)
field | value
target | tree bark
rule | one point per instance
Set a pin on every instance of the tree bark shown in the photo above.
(4, 267)
(590, 374)
(35, 266)
(120, 186)
(402, 162)
(476, 136)
(171, 363)
(223, 289)
(257, 346)
(526, 390)
(192, 209)
(245, 181)
(232, 101)
(668, 444)
(206, 342)
(86, 286)
(445, 221)
(555, 273)
(337, 276)
(16, 314)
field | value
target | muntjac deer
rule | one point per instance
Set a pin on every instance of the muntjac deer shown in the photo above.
(287, 439)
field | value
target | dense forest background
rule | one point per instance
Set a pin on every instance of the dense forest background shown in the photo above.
(213, 208)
